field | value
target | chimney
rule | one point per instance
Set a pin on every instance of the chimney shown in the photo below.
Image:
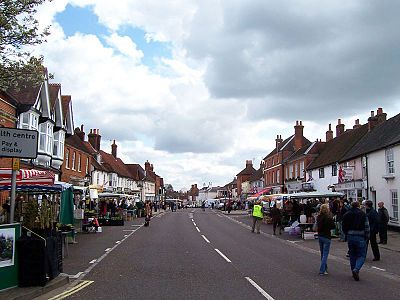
(372, 121)
(298, 135)
(329, 134)
(147, 166)
(249, 163)
(80, 133)
(114, 149)
(94, 139)
(278, 141)
(339, 128)
(357, 124)
(151, 168)
(380, 115)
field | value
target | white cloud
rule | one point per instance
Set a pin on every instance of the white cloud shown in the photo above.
(240, 73)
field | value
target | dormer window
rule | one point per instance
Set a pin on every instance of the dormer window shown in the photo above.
(29, 120)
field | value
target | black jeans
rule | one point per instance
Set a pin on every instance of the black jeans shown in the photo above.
(383, 233)
(275, 224)
(374, 246)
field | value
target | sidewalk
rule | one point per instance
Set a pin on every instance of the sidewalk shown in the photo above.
(83, 254)
(390, 253)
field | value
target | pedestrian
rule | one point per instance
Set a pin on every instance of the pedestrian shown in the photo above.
(355, 225)
(325, 224)
(258, 216)
(276, 219)
(373, 219)
(384, 220)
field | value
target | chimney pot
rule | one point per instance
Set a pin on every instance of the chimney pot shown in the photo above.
(372, 113)
(339, 121)
(379, 111)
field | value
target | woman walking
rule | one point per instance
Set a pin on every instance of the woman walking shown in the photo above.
(325, 224)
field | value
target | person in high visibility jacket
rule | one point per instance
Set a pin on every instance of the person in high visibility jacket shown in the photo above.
(258, 215)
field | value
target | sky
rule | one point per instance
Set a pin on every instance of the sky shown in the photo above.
(199, 87)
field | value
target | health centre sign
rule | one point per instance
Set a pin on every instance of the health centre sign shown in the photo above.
(19, 143)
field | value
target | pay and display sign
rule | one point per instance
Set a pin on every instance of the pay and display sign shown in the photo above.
(19, 143)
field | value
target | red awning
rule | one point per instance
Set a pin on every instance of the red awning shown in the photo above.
(262, 192)
(27, 177)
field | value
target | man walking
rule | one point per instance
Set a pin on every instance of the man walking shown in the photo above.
(384, 220)
(258, 216)
(373, 219)
(356, 228)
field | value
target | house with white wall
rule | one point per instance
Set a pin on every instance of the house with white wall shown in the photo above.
(41, 107)
(323, 171)
(378, 156)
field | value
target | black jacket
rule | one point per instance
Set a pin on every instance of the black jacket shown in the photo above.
(325, 224)
(373, 219)
(383, 215)
(355, 220)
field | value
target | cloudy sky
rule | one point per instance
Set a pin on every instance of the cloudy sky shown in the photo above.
(198, 87)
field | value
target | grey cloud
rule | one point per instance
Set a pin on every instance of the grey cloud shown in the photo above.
(291, 60)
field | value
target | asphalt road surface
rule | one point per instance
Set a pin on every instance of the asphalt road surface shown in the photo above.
(191, 254)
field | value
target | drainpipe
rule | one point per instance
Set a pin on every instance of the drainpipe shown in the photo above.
(366, 171)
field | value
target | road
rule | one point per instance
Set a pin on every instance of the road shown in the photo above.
(191, 254)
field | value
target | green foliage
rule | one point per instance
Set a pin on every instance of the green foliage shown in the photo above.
(19, 28)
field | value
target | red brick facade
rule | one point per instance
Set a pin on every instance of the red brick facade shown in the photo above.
(74, 170)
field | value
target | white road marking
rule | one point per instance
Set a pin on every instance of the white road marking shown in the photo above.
(137, 225)
(373, 267)
(205, 239)
(198, 229)
(108, 249)
(264, 293)
(194, 224)
(93, 261)
(117, 242)
(130, 230)
(220, 253)
(192, 220)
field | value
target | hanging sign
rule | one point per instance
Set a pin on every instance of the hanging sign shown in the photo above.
(20, 143)
(15, 164)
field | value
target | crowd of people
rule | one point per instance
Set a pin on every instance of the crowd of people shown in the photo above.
(354, 223)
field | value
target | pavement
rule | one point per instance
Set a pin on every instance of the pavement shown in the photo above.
(82, 255)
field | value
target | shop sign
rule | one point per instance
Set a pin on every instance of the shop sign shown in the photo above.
(18, 143)
(15, 164)
(348, 173)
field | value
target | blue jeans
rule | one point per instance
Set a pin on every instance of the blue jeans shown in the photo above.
(324, 246)
(357, 251)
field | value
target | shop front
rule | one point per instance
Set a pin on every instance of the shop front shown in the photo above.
(352, 189)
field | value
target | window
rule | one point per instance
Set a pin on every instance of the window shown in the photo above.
(67, 159)
(58, 144)
(29, 120)
(287, 173)
(273, 177)
(73, 160)
(395, 204)
(98, 179)
(46, 137)
(79, 163)
(302, 169)
(389, 161)
(334, 170)
(110, 179)
(87, 165)
(296, 167)
(290, 171)
(277, 176)
(321, 173)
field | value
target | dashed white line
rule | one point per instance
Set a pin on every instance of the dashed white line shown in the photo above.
(224, 257)
(194, 224)
(117, 242)
(108, 249)
(264, 293)
(93, 261)
(205, 239)
(197, 228)
(373, 267)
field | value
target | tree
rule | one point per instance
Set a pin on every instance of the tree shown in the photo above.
(19, 28)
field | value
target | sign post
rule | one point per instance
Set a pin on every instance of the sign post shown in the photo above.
(17, 143)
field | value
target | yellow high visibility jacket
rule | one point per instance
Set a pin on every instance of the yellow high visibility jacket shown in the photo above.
(257, 211)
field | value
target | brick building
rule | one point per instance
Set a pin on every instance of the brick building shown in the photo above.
(244, 176)
(274, 161)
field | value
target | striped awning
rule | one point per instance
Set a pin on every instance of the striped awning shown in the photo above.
(27, 177)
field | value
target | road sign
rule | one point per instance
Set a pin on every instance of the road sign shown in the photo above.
(20, 143)
(15, 164)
